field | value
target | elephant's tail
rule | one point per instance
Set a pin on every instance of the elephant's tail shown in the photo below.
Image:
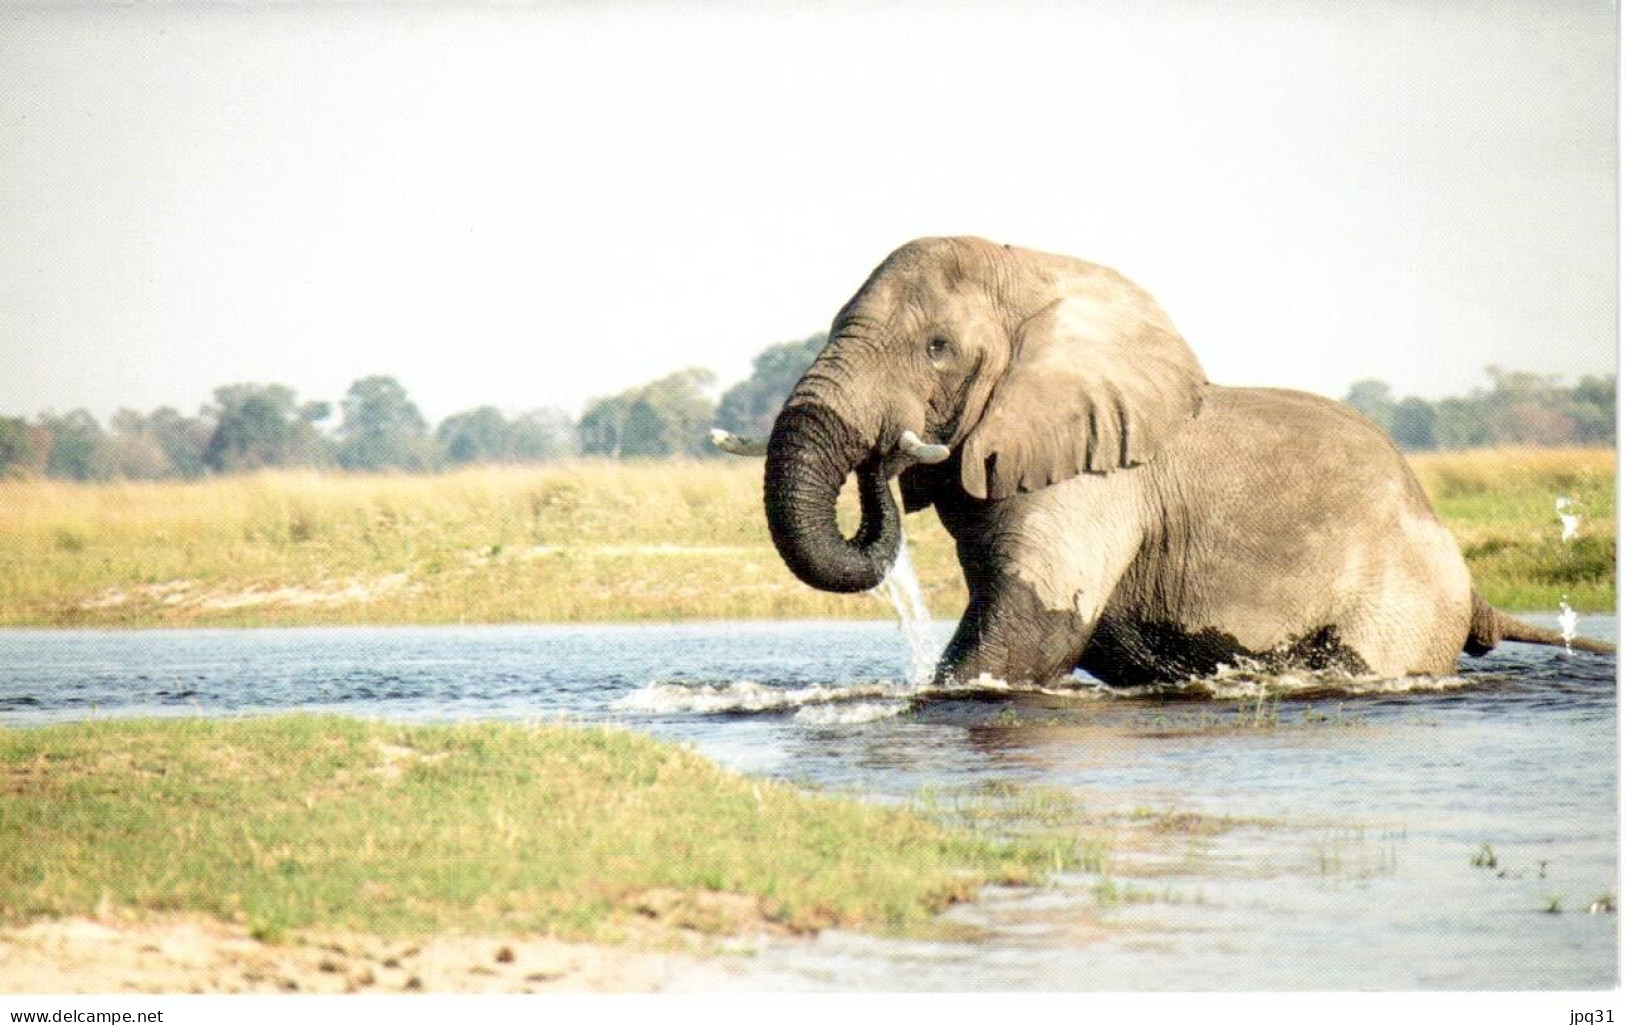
(1491, 626)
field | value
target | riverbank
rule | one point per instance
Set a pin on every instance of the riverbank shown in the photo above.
(1163, 825)
(585, 542)
(242, 854)
(192, 954)
(295, 822)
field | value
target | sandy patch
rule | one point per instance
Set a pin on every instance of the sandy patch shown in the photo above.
(195, 955)
(108, 599)
(170, 592)
(187, 594)
(350, 592)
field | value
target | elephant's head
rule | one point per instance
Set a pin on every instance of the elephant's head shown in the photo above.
(1032, 368)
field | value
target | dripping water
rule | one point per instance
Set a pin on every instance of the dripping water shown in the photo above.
(901, 589)
(1567, 620)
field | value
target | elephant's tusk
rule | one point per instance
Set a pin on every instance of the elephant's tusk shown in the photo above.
(919, 450)
(735, 445)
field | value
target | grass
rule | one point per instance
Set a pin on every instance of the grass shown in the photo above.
(604, 541)
(1501, 506)
(325, 823)
(1043, 818)
(568, 543)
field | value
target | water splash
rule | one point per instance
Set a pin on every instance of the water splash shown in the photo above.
(1568, 622)
(1570, 520)
(870, 700)
(901, 589)
(1248, 679)
(667, 697)
(836, 704)
(850, 714)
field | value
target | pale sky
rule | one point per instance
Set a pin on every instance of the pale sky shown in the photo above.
(532, 206)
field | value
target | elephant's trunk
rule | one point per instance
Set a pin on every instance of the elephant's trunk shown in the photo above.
(809, 455)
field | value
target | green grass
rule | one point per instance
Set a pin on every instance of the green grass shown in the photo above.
(1501, 505)
(324, 823)
(604, 541)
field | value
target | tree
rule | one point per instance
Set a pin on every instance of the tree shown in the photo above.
(25, 448)
(382, 428)
(672, 416)
(666, 417)
(79, 447)
(1459, 423)
(477, 436)
(602, 427)
(1511, 386)
(1413, 425)
(136, 453)
(749, 407)
(184, 440)
(1519, 408)
(1525, 408)
(1591, 406)
(539, 435)
(258, 425)
(1533, 423)
(1374, 399)
(15, 451)
(484, 435)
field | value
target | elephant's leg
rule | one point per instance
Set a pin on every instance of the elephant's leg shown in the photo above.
(1009, 635)
(1041, 568)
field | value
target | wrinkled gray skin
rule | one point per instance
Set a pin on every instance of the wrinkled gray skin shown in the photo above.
(1112, 510)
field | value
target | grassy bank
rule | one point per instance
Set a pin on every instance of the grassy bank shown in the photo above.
(299, 823)
(599, 541)
(1501, 506)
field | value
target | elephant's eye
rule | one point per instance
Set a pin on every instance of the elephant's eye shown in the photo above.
(936, 349)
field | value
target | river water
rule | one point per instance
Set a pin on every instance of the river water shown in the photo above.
(1341, 830)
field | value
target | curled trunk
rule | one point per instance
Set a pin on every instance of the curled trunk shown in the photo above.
(808, 457)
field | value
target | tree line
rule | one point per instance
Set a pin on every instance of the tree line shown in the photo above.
(1518, 408)
(378, 427)
(257, 426)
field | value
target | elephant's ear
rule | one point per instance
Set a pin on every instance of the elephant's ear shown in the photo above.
(1098, 379)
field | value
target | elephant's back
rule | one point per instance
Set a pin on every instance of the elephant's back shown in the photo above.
(1317, 452)
(1281, 514)
(1317, 463)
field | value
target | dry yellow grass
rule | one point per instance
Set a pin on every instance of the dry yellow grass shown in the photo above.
(603, 541)
(1557, 471)
(561, 543)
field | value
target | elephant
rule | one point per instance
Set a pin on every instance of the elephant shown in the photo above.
(1112, 510)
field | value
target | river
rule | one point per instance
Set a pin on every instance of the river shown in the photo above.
(1433, 833)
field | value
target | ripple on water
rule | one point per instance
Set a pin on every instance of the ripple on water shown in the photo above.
(883, 698)
(1352, 865)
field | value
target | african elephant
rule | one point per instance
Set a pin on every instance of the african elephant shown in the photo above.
(1112, 510)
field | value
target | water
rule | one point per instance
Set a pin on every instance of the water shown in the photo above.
(1568, 621)
(901, 589)
(1356, 806)
(1569, 518)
